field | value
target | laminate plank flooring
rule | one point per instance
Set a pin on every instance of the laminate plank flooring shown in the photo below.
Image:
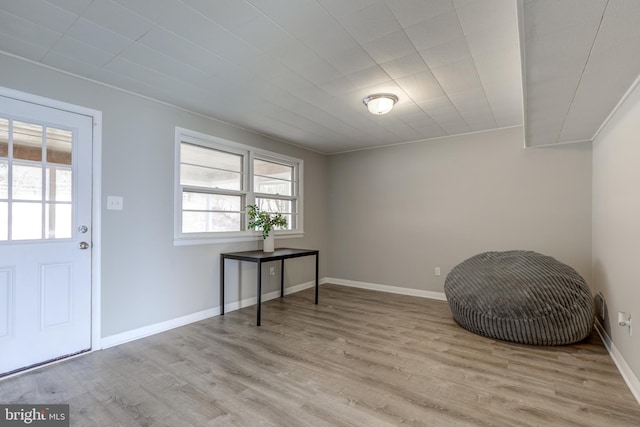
(359, 358)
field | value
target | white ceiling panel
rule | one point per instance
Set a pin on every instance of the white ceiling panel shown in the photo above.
(389, 47)
(491, 39)
(338, 86)
(182, 50)
(98, 37)
(435, 31)
(117, 18)
(581, 57)
(453, 126)
(153, 59)
(370, 23)
(411, 12)
(405, 66)
(229, 14)
(73, 6)
(552, 16)
(330, 41)
(261, 32)
(458, 76)
(41, 13)
(298, 71)
(352, 60)
(71, 65)
(372, 77)
(446, 53)
(73, 48)
(479, 16)
(297, 18)
(340, 8)
(19, 47)
(421, 86)
(28, 32)
(159, 10)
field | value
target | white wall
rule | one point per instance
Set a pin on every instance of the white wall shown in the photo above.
(398, 212)
(616, 224)
(145, 278)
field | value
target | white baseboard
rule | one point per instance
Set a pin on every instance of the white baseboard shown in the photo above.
(625, 370)
(386, 288)
(167, 325)
(156, 328)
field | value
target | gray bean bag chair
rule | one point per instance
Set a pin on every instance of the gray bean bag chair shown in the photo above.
(520, 296)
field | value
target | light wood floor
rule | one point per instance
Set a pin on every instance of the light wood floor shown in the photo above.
(359, 358)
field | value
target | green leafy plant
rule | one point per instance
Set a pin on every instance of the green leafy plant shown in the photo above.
(265, 221)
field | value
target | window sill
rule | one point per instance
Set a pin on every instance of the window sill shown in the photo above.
(191, 241)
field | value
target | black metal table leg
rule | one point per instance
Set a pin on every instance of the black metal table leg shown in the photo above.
(222, 285)
(282, 278)
(317, 283)
(259, 292)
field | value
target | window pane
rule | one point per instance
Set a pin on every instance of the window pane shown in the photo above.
(272, 186)
(26, 221)
(4, 180)
(276, 170)
(59, 146)
(27, 141)
(4, 220)
(4, 137)
(201, 222)
(27, 182)
(274, 205)
(209, 157)
(210, 202)
(210, 178)
(272, 178)
(58, 184)
(58, 221)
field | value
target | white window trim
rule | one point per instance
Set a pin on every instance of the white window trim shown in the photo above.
(186, 239)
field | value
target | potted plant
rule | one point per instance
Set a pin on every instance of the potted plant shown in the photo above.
(266, 222)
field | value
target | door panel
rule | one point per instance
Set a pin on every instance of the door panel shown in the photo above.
(6, 301)
(56, 301)
(45, 196)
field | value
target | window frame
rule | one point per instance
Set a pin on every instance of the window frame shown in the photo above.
(247, 192)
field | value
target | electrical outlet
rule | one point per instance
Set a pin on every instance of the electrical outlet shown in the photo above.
(624, 319)
(437, 271)
(272, 271)
(114, 203)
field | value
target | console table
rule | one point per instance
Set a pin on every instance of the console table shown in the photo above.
(259, 257)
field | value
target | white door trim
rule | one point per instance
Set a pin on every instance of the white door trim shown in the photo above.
(96, 204)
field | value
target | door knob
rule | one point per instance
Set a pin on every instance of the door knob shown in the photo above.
(84, 245)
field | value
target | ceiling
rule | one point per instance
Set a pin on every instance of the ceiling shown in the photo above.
(297, 70)
(581, 57)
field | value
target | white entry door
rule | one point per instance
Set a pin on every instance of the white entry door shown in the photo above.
(45, 234)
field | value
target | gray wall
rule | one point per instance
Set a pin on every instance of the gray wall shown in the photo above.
(145, 278)
(616, 224)
(398, 212)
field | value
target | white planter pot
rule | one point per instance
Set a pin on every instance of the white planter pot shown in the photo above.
(269, 243)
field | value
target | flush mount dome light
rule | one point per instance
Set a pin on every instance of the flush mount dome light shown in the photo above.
(380, 103)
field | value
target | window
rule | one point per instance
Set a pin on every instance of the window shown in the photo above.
(36, 188)
(215, 181)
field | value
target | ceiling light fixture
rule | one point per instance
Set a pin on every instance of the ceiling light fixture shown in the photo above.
(380, 103)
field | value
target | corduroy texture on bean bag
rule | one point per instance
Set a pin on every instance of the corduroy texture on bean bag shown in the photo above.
(520, 296)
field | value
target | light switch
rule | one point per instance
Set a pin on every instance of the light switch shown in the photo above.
(114, 203)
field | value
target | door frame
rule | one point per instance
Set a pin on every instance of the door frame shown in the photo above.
(96, 200)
